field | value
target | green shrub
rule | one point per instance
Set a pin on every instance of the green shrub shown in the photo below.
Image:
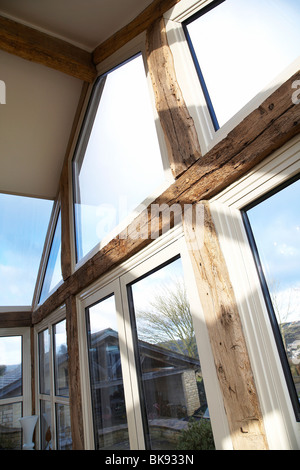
(197, 436)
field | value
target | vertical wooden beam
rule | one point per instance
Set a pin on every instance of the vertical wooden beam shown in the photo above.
(32, 357)
(178, 126)
(66, 260)
(74, 375)
(64, 190)
(226, 334)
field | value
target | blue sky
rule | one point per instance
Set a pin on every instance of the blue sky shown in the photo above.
(263, 37)
(23, 227)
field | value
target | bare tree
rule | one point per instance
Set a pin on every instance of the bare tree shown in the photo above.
(168, 320)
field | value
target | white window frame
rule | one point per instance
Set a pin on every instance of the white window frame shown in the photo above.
(133, 47)
(48, 323)
(159, 251)
(189, 82)
(25, 398)
(283, 431)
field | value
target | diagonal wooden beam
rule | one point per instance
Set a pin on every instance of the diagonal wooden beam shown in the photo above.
(44, 49)
(154, 11)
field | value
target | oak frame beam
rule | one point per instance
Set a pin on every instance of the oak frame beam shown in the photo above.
(74, 374)
(225, 331)
(178, 125)
(15, 319)
(137, 26)
(36, 46)
(265, 130)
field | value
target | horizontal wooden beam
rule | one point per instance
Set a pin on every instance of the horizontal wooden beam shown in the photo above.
(15, 319)
(154, 11)
(265, 130)
(47, 50)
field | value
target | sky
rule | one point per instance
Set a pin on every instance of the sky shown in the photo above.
(103, 314)
(276, 228)
(241, 45)
(10, 350)
(53, 274)
(23, 227)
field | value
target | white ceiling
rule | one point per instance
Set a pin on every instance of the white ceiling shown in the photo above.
(36, 121)
(85, 22)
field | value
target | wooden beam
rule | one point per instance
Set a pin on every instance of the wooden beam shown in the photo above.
(64, 192)
(225, 331)
(44, 49)
(178, 126)
(74, 375)
(154, 11)
(265, 130)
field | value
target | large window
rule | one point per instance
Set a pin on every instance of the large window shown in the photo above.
(172, 387)
(53, 387)
(239, 47)
(273, 226)
(118, 162)
(23, 227)
(53, 273)
(109, 411)
(142, 335)
(15, 382)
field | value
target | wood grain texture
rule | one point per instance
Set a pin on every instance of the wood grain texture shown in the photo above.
(17, 319)
(47, 50)
(178, 126)
(226, 334)
(74, 375)
(64, 193)
(137, 26)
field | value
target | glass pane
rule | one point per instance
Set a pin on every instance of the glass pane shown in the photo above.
(23, 227)
(275, 224)
(110, 421)
(63, 427)
(53, 271)
(175, 402)
(10, 366)
(61, 359)
(120, 164)
(44, 362)
(10, 427)
(46, 427)
(241, 46)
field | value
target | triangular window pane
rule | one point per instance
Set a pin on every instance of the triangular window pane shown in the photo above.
(53, 271)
